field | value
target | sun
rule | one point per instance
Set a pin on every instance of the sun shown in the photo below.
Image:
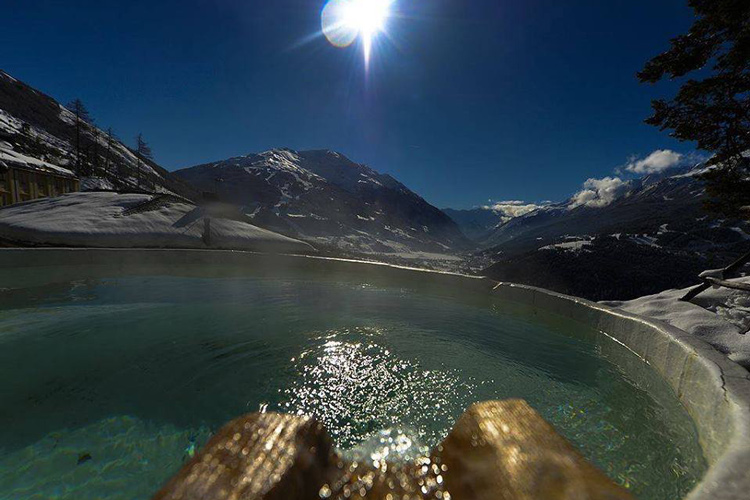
(345, 20)
(366, 16)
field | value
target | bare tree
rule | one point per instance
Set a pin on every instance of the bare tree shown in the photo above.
(142, 152)
(77, 107)
(96, 169)
(108, 157)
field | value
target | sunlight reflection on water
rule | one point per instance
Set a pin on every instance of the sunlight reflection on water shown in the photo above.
(356, 386)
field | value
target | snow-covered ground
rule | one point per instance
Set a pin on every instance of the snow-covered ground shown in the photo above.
(575, 245)
(109, 219)
(720, 316)
(12, 157)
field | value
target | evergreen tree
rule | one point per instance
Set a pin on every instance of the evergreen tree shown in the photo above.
(713, 108)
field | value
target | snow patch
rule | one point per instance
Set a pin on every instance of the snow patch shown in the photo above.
(569, 246)
(644, 239)
(7, 154)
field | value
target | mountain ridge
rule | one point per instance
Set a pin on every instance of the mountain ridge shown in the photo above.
(654, 235)
(323, 196)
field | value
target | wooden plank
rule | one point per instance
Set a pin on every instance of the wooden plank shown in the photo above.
(694, 292)
(728, 284)
(725, 273)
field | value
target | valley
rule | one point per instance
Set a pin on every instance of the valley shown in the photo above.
(653, 234)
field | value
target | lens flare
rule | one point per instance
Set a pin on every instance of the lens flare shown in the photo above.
(335, 28)
(345, 20)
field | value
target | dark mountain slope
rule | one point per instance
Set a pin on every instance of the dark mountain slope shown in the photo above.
(655, 236)
(324, 197)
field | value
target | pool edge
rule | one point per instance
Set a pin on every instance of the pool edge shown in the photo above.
(714, 389)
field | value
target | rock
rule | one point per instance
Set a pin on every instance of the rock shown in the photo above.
(504, 450)
(265, 456)
(498, 450)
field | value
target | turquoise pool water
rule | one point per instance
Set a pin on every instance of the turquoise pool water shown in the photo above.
(107, 385)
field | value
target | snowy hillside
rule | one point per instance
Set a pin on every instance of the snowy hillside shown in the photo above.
(656, 210)
(646, 235)
(325, 198)
(117, 220)
(34, 128)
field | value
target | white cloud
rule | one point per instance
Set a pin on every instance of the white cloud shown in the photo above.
(599, 192)
(511, 208)
(512, 202)
(658, 161)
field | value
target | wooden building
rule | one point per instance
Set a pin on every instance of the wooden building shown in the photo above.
(23, 181)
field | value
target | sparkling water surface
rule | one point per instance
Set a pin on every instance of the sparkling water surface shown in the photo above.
(108, 385)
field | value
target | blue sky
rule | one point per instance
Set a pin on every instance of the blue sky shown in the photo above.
(469, 100)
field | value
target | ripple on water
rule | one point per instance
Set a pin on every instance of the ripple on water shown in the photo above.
(357, 386)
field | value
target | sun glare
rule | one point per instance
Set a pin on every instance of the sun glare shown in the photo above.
(345, 20)
(366, 16)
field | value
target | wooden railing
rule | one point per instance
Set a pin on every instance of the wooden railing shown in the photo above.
(726, 273)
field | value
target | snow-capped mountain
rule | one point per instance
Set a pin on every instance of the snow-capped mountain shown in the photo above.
(659, 206)
(327, 199)
(37, 130)
(653, 235)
